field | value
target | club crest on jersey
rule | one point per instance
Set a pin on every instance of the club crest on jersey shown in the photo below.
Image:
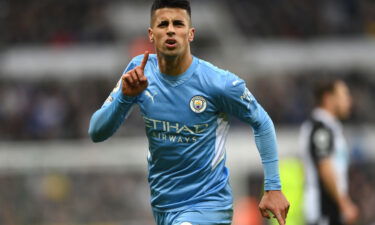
(198, 104)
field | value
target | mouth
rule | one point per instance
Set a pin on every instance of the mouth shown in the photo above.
(171, 43)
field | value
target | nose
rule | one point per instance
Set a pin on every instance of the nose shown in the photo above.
(170, 30)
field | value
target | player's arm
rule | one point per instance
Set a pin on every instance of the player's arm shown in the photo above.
(321, 144)
(238, 101)
(328, 178)
(105, 121)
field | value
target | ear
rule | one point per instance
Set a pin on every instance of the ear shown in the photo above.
(191, 34)
(150, 35)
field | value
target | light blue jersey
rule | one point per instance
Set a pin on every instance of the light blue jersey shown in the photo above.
(186, 120)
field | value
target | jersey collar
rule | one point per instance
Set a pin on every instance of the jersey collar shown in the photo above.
(181, 78)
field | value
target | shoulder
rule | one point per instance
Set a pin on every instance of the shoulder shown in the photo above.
(210, 70)
(218, 77)
(321, 139)
(319, 126)
(208, 67)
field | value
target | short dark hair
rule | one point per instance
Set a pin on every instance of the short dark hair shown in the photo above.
(181, 4)
(324, 86)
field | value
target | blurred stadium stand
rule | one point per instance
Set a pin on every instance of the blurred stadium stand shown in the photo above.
(60, 59)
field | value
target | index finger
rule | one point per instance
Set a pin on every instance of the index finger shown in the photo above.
(279, 218)
(144, 61)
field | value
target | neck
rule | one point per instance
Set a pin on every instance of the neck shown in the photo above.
(174, 65)
(329, 109)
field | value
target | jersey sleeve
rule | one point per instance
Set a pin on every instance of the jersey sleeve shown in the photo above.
(236, 99)
(321, 142)
(105, 121)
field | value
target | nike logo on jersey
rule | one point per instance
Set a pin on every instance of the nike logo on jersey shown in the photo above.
(148, 94)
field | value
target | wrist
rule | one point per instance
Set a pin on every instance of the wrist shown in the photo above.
(126, 98)
(343, 202)
(274, 185)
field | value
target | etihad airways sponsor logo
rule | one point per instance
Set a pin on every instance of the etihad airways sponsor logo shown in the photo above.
(165, 137)
(167, 131)
(174, 127)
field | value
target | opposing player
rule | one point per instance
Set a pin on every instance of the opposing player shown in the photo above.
(326, 157)
(185, 103)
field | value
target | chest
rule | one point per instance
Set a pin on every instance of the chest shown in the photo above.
(341, 149)
(188, 103)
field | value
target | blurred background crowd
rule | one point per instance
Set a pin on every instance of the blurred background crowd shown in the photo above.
(59, 60)
(68, 22)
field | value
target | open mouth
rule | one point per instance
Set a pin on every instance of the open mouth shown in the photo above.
(171, 43)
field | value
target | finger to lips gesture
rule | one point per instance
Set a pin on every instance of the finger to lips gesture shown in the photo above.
(277, 204)
(135, 81)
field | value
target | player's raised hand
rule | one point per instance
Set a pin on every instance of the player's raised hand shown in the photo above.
(275, 202)
(349, 211)
(135, 81)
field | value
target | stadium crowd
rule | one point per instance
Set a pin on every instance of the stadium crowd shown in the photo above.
(56, 23)
(67, 22)
(303, 19)
(73, 198)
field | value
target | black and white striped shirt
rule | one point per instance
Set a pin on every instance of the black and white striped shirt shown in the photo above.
(322, 137)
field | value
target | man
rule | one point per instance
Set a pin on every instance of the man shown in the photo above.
(185, 102)
(326, 157)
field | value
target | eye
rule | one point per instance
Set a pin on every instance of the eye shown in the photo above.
(163, 24)
(178, 23)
